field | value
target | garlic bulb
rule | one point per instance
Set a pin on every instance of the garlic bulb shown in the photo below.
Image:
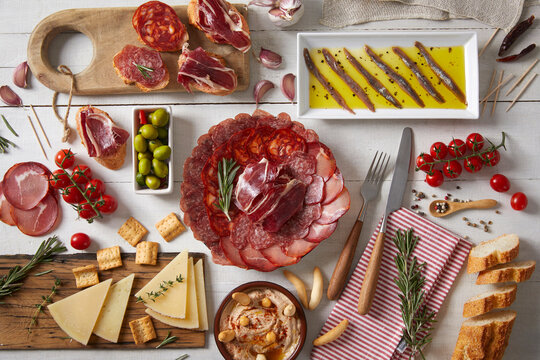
(283, 13)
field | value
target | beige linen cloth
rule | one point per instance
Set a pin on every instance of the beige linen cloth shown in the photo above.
(497, 13)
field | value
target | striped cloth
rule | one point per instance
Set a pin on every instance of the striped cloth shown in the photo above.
(377, 335)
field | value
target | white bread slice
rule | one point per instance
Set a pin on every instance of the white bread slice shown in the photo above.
(500, 250)
(484, 337)
(516, 272)
(498, 298)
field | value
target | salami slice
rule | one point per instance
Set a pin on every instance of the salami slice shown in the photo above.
(26, 184)
(301, 166)
(283, 143)
(314, 193)
(333, 187)
(38, 220)
(333, 211)
(282, 121)
(276, 256)
(238, 146)
(319, 232)
(256, 144)
(5, 209)
(141, 66)
(218, 257)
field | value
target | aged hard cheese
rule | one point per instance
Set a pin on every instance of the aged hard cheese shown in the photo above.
(112, 314)
(77, 314)
(191, 321)
(173, 302)
(201, 295)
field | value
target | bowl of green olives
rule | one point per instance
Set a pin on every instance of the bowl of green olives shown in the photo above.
(152, 150)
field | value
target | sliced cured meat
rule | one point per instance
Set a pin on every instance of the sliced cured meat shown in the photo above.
(284, 142)
(221, 22)
(38, 220)
(308, 134)
(251, 183)
(222, 132)
(26, 184)
(141, 66)
(319, 232)
(159, 27)
(314, 193)
(242, 230)
(277, 257)
(299, 248)
(298, 226)
(301, 165)
(232, 253)
(333, 211)
(281, 121)
(255, 259)
(5, 209)
(326, 163)
(289, 203)
(256, 144)
(218, 257)
(333, 187)
(238, 146)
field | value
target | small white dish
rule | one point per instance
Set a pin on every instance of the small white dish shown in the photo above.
(378, 39)
(134, 129)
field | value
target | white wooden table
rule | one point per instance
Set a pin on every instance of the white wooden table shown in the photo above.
(353, 142)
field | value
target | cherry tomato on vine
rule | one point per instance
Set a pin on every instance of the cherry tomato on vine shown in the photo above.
(86, 211)
(472, 164)
(457, 148)
(421, 161)
(108, 205)
(475, 142)
(65, 158)
(438, 150)
(94, 189)
(82, 174)
(435, 179)
(499, 183)
(519, 201)
(58, 179)
(491, 158)
(80, 241)
(452, 169)
(72, 195)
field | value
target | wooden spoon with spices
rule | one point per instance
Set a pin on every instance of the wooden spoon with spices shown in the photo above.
(441, 208)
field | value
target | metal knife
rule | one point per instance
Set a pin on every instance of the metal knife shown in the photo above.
(395, 197)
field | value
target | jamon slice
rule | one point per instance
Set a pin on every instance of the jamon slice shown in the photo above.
(5, 209)
(232, 253)
(299, 248)
(26, 184)
(333, 211)
(319, 232)
(141, 66)
(39, 220)
(252, 181)
(326, 163)
(277, 257)
(333, 187)
(206, 72)
(256, 260)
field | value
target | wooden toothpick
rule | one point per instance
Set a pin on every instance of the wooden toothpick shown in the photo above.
(40, 126)
(489, 88)
(488, 42)
(521, 77)
(497, 93)
(497, 88)
(522, 91)
(37, 137)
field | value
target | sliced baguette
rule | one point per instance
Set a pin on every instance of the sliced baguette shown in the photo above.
(500, 250)
(484, 337)
(499, 298)
(516, 272)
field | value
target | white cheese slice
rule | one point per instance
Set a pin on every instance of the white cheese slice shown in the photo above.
(191, 321)
(172, 302)
(110, 320)
(77, 314)
(201, 295)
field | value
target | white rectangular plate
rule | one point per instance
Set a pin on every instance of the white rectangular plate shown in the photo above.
(378, 39)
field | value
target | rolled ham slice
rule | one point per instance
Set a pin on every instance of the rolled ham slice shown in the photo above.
(5, 209)
(26, 184)
(39, 220)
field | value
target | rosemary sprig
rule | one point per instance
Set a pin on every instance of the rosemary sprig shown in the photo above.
(4, 144)
(227, 169)
(143, 69)
(12, 281)
(164, 286)
(169, 339)
(44, 272)
(182, 357)
(9, 126)
(39, 307)
(416, 317)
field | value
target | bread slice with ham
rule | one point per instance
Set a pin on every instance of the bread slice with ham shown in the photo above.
(141, 66)
(102, 138)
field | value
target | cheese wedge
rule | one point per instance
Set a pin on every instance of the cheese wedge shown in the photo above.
(173, 302)
(77, 314)
(111, 318)
(201, 295)
(191, 321)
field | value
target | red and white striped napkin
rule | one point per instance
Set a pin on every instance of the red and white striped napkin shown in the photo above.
(376, 336)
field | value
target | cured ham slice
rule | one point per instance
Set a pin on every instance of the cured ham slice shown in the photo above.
(333, 211)
(319, 232)
(26, 184)
(255, 259)
(141, 66)
(314, 193)
(39, 220)
(326, 163)
(5, 209)
(299, 248)
(333, 187)
(277, 257)
(205, 71)
(232, 253)
(252, 181)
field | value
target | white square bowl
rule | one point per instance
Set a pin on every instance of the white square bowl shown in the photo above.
(134, 129)
(377, 39)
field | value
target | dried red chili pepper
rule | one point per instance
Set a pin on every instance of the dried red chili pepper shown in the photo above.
(514, 57)
(514, 34)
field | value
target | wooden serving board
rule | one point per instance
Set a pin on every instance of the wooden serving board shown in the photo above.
(17, 310)
(110, 29)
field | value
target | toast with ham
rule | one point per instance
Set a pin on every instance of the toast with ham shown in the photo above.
(102, 138)
(487, 254)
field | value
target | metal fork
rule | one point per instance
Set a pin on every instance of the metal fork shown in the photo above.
(369, 191)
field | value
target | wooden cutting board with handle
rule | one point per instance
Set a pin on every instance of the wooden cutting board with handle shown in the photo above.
(110, 29)
(17, 310)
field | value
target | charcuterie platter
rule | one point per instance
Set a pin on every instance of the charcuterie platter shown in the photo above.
(104, 27)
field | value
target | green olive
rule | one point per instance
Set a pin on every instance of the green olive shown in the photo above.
(145, 166)
(145, 155)
(140, 178)
(159, 118)
(154, 144)
(162, 152)
(140, 144)
(149, 132)
(161, 169)
(163, 133)
(152, 182)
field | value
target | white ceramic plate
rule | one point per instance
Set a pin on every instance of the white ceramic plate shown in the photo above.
(134, 129)
(377, 39)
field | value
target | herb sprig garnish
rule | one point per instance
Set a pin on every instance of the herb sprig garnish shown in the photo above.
(143, 69)
(169, 339)
(164, 286)
(39, 307)
(12, 281)
(227, 169)
(416, 317)
(9, 126)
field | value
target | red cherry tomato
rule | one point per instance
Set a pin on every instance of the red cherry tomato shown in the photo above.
(519, 201)
(457, 148)
(421, 161)
(107, 205)
(80, 241)
(94, 189)
(72, 195)
(142, 117)
(452, 169)
(65, 158)
(499, 183)
(438, 150)
(435, 179)
(58, 179)
(491, 158)
(472, 164)
(475, 142)
(82, 174)
(86, 211)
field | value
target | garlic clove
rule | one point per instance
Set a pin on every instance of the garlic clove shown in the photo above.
(288, 86)
(19, 75)
(260, 89)
(9, 97)
(288, 13)
(269, 58)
